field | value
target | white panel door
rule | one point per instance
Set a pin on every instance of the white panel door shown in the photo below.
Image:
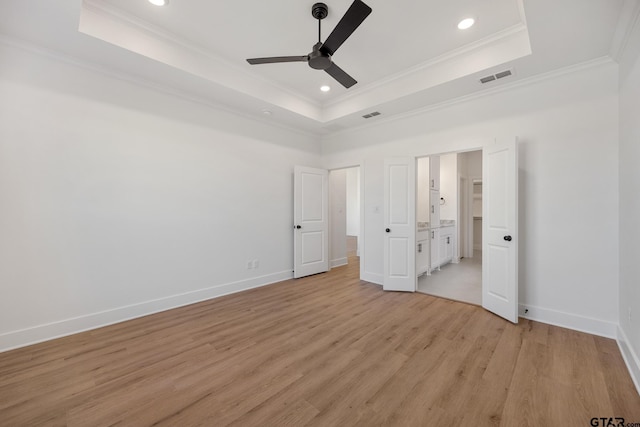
(500, 229)
(400, 224)
(311, 223)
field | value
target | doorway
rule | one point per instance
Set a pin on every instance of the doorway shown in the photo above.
(401, 235)
(454, 224)
(345, 216)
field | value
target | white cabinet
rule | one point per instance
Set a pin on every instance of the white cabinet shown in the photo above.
(434, 208)
(446, 245)
(423, 239)
(435, 245)
(422, 257)
(434, 248)
(434, 172)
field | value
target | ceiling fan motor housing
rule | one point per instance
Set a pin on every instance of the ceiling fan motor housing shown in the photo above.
(319, 60)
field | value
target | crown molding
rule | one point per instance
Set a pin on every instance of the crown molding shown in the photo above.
(322, 132)
(628, 21)
(593, 63)
(93, 67)
(514, 30)
(110, 13)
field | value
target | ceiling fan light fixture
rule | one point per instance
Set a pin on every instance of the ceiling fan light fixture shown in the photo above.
(466, 23)
(159, 2)
(325, 88)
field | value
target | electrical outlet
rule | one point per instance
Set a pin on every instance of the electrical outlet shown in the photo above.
(256, 263)
(249, 265)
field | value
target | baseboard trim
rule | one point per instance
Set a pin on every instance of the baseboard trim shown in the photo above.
(339, 262)
(33, 335)
(570, 321)
(631, 359)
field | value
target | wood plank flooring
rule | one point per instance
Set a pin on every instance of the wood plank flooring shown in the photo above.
(327, 350)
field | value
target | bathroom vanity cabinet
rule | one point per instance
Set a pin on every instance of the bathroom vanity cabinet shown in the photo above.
(446, 244)
(435, 238)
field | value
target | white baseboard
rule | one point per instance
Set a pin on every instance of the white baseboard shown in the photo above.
(630, 358)
(372, 277)
(49, 331)
(338, 262)
(570, 321)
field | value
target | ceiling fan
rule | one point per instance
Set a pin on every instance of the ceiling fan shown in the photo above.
(320, 56)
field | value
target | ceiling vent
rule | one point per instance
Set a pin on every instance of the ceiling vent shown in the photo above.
(373, 114)
(496, 76)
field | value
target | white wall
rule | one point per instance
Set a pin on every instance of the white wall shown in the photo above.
(119, 201)
(338, 217)
(353, 201)
(473, 164)
(630, 204)
(567, 126)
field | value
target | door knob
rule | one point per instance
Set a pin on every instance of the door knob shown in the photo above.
(388, 230)
(298, 227)
(507, 238)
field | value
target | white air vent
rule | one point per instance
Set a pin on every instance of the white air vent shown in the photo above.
(373, 114)
(496, 76)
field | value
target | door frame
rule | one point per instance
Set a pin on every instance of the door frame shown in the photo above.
(470, 180)
(470, 219)
(463, 217)
(361, 245)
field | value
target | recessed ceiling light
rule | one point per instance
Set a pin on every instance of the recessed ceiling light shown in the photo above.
(466, 23)
(325, 88)
(267, 112)
(159, 2)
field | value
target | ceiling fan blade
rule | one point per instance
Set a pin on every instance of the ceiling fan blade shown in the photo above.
(339, 74)
(276, 59)
(355, 15)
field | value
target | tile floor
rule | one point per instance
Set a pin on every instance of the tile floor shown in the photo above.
(460, 282)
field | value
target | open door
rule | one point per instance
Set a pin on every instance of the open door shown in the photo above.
(500, 229)
(311, 223)
(400, 224)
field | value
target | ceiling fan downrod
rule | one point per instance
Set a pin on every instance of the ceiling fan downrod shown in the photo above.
(319, 11)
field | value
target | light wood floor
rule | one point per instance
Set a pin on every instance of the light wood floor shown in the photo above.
(327, 350)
